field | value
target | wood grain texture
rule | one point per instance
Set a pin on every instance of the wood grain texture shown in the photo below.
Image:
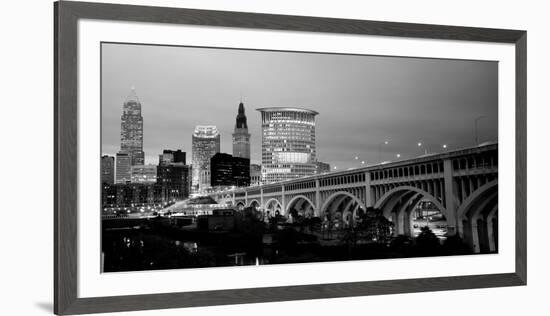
(287, 293)
(288, 22)
(65, 168)
(66, 16)
(521, 157)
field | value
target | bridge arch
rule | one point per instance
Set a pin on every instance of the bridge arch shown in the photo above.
(478, 194)
(398, 204)
(332, 207)
(401, 191)
(240, 205)
(478, 218)
(254, 203)
(273, 206)
(301, 200)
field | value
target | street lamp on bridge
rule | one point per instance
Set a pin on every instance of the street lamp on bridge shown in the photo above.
(380, 150)
(419, 144)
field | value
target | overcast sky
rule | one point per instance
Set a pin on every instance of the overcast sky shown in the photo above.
(362, 100)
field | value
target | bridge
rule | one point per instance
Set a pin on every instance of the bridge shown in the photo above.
(462, 184)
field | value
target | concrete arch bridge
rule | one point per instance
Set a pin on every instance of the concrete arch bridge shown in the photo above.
(461, 184)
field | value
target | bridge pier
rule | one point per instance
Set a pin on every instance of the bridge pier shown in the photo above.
(369, 199)
(449, 202)
(317, 206)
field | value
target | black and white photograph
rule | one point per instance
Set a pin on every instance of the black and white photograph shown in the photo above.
(216, 157)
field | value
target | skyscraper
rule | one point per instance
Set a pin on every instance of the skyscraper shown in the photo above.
(174, 180)
(108, 169)
(205, 143)
(131, 129)
(241, 137)
(173, 175)
(227, 170)
(288, 143)
(123, 168)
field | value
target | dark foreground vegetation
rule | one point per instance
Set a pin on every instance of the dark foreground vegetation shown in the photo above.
(158, 244)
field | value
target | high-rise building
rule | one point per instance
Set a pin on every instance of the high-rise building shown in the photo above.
(322, 167)
(206, 143)
(108, 169)
(255, 174)
(144, 174)
(131, 129)
(241, 171)
(288, 143)
(241, 137)
(227, 170)
(221, 166)
(172, 156)
(175, 181)
(123, 168)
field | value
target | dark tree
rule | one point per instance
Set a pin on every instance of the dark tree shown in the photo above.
(454, 245)
(373, 226)
(402, 245)
(427, 242)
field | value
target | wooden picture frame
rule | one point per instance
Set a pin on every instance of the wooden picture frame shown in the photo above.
(66, 16)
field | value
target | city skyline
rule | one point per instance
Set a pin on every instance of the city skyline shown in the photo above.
(446, 95)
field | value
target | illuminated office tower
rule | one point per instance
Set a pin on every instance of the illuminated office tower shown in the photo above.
(205, 144)
(241, 137)
(288, 143)
(131, 129)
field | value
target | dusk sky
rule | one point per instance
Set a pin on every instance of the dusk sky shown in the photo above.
(362, 100)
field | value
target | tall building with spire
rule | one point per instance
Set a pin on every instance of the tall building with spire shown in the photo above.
(241, 137)
(131, 129)
(205, 144)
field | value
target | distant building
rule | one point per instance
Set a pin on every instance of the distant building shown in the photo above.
(123, 169)
(131, 130)
(221, 166)
(174, 180)
(241, 171)
(288, 143)
(172, 156)
(206, 143)
(227, 170)
(144, 174)
(255, 174)
(108, 169)
(131, 196)
(241, 137)
(322, 167)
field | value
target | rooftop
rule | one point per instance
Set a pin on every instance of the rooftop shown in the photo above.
(288, 109)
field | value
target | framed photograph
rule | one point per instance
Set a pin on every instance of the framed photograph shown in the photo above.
(210, 158)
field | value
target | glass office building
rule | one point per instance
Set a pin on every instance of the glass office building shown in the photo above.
(288, 143)
(206, 143)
